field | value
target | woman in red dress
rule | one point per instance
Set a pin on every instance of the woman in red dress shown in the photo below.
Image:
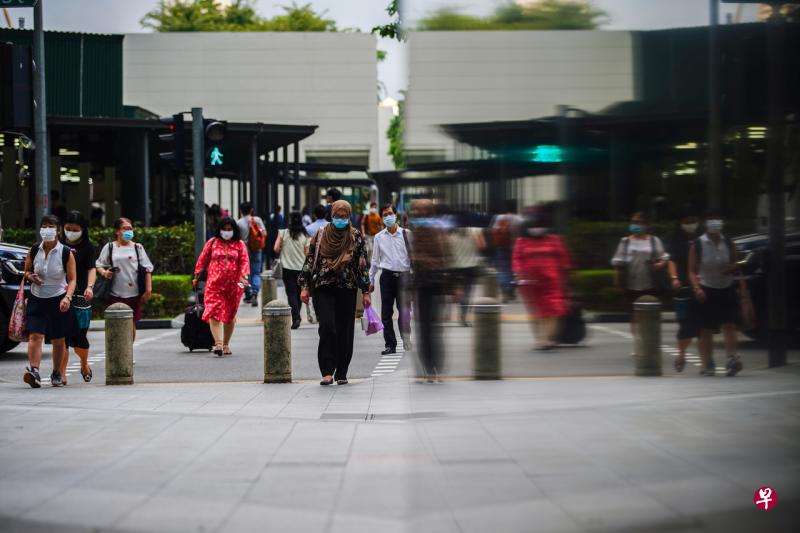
(540, 261)
(225, 261)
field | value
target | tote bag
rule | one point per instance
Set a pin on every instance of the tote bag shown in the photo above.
(18, 323)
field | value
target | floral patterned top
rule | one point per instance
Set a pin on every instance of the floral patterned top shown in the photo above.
(354, 276)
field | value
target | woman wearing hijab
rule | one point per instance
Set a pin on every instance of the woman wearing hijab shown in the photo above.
(335, 268)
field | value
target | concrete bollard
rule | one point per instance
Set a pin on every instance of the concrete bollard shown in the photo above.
(269, 287)
(277, 316)
(486, 336)
(119, 344)
(491, 284)
(647, 316)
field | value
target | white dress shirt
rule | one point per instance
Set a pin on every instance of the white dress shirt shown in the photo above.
(389, 252)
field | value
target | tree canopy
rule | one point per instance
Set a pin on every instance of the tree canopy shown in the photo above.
(240, 15)
(542, 15)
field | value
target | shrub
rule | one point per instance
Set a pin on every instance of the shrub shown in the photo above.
(154, 307)
(596, 291)
(170, 248)
(175, 289)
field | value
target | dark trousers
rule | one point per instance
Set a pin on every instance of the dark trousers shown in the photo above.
(336, 312)
(427, 306)
(466, 278)
(292, 292)
(391, 295)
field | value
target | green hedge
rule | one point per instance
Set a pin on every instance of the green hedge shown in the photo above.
(595, 290)
(170, 248)
(168, 300)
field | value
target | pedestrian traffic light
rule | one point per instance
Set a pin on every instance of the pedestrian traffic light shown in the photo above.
(215, 131)
(175, 138)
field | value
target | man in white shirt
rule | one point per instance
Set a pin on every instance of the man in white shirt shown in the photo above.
(256, 256)
(390, 254)
(319, 221)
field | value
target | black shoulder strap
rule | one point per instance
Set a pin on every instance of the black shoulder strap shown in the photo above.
(65, 251)
(110, 247)
(698, 249)
(136, 248)
(32, 253)
(405, 239)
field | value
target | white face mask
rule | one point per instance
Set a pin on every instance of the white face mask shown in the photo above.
(690, 228)
(537, 232)
(373, 210)
(714, 225)
(227, 235)
(48, 234)
(73, 236)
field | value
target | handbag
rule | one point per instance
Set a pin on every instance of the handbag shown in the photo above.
(747, 312)
(83, 311)
(18, 322)
(102, 286)
(661, 280)
(141, 272)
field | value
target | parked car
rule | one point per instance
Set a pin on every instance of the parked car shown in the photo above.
(12, 264)
(754, 255)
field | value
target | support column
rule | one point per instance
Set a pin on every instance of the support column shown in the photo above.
(714, 131)
(286, 206)
(84, 204)
(110, 194)
(253, 197)
(54, 183)
(297, 176)
(148, 215)
(8, 191)
(273, 179)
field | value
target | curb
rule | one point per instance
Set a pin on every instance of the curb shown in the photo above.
(146, 323)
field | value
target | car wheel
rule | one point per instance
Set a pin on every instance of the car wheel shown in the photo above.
(6, 344)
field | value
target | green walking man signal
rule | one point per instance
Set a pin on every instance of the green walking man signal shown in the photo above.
(215, 157)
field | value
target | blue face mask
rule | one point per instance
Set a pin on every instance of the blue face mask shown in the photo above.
(127, 235)
(422, 222)
(636, 229)
(340, 223)
(389, 221)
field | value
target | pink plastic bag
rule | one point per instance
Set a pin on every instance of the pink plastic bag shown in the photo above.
(373, 321)
(18, 322)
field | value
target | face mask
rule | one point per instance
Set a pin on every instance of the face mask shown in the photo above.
(537, 232)
(227, 235)
(73, 236)
(389, 221)
(48, 234)
(636, 229)
(714, 225)
(127, 235)
(689, 228)
(340, 223)
(422, 222)
(373, 210)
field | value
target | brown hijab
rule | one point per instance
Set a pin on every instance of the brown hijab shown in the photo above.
(337, 245)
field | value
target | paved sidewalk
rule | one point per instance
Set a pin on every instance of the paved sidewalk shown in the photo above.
(390, 454)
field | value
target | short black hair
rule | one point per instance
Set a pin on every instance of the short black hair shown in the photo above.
(388, 205)
(320, 211)
(50, 219)
(225, 221)
(120, 221)
(76, 217)
(246, 208)
(334, 193)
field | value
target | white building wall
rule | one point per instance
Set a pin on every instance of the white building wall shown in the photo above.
(327, 79)
(477, 76)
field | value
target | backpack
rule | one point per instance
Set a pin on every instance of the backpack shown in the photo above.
(65, 251)
(257, 238)
(501, 232)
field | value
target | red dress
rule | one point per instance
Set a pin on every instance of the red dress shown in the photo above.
(227, 263)
(540, 264)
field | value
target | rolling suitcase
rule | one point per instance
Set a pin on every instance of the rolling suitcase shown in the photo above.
(573, 327)
(195, 333)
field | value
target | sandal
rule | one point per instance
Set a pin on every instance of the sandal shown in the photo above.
(327, 380)
(680, 364)
(218, 349)
(87, 376)
(226, 350)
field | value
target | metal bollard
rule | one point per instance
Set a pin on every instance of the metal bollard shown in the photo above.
(269, 287)
(277, 316)
(647, 313)
(491, 284)
(119, 344)
(486, 337)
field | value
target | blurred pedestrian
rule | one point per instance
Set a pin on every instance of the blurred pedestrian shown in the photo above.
(276, 223)
(306, 216)
(213, 215)
(712, 265)
(466, 245)
(225, 263)
(76, 237)
(50, 269)
(292, 245)
(640, 261)
(319, 220)
(541, 263)
(391, 256)
(331, 195)
(431, 262)
(253, 232)
(504, 228)
(686, 232)
(371, 224)
(125, 262)
(335, 269)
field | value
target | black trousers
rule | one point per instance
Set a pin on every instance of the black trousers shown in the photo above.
(392, 294)
(292, 292)
(466, 278)
(428, 309)
(336, 312)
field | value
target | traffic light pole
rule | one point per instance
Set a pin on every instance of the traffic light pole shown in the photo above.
(42, 152)
(198, 170)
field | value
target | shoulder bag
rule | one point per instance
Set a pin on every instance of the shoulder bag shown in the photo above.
(102, 285)
(141, 272)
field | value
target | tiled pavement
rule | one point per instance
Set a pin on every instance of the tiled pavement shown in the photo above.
(390, 454)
